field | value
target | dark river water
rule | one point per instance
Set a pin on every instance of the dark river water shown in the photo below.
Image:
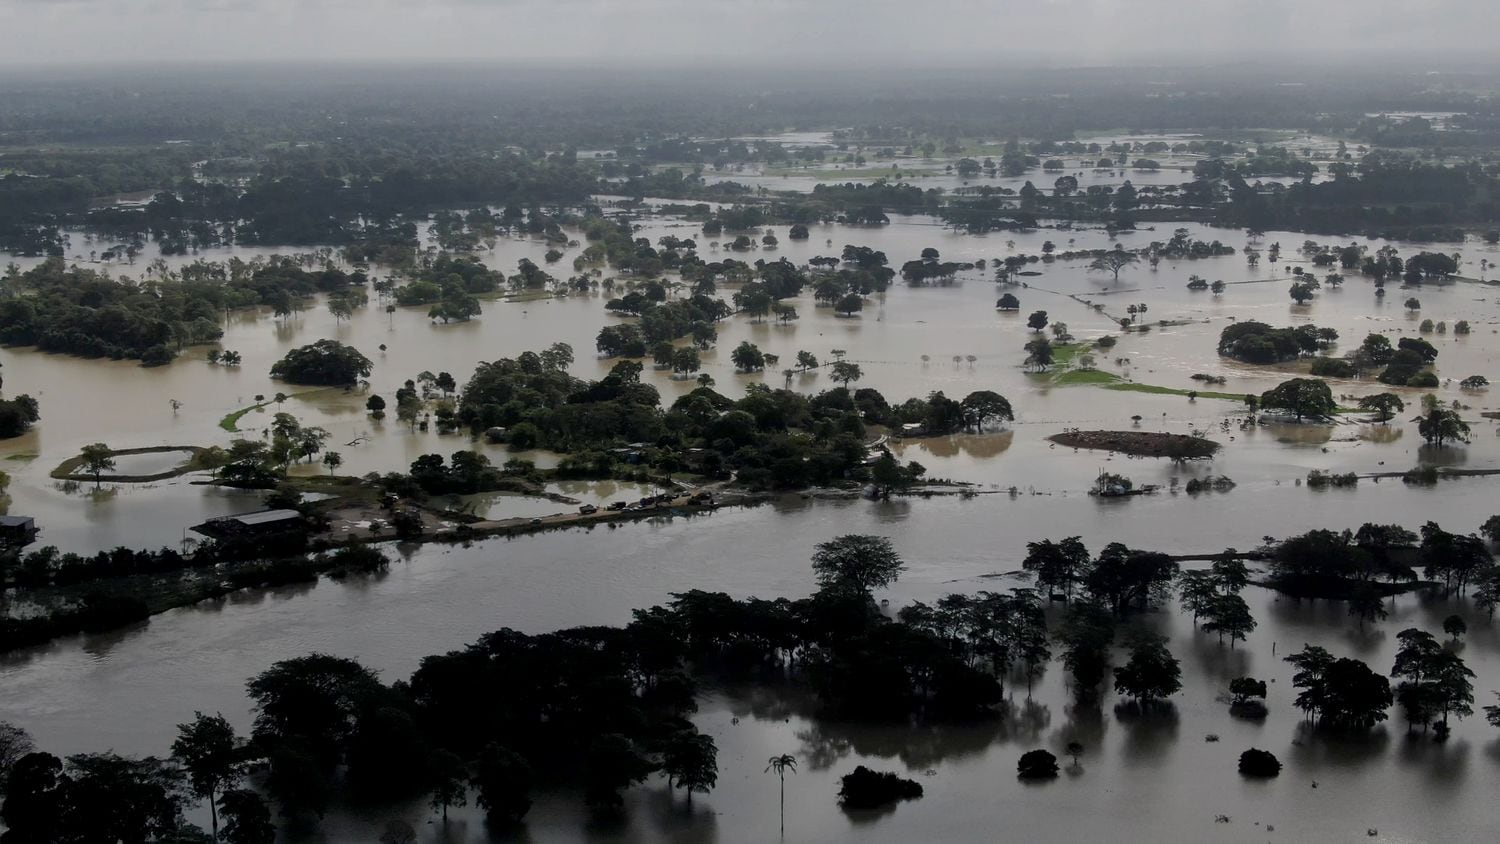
(1141, 780)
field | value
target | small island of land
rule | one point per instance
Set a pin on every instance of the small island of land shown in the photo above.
(1140, 443)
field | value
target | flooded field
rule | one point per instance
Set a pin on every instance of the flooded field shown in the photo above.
(937, 172)
(906, 341)
(1141, 780)
(1149, 780)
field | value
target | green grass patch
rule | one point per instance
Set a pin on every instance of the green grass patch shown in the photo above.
(22, 457)
(1063, 354)
(231, 421)
(1074, 377)
(1132, 387)
(195, 459)
(529, 296)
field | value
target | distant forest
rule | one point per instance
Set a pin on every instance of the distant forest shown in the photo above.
(315, 157)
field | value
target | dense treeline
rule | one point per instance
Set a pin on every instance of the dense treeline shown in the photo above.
(273, 159)
(332, 195)
(1257, 342)
(47, 566)
(598, 709)
(451, 285)
(769, 438)
(17, 415)
(103, 605)
(1386, 194)
(318, 201)
(1383, 194)
(39, 188)
(1352, 564)
(88, 313)
(1406, 364)
(594, 708)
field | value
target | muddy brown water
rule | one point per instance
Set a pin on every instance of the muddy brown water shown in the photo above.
(1141, 780)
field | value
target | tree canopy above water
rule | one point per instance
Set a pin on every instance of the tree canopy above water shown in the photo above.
(325, 362)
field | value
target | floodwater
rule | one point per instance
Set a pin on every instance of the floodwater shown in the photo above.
(905, 340)
(1174, 170)
(151, 463)
(1141, 780)
(936, 172)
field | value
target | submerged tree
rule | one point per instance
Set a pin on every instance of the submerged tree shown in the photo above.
(1039, 353)
(611, 765)
(1228, 614)
(1366, 605)
(844, 372)
(1435, 682)
(1113, 262)
(502, 779)
(1086, 636)
(449, 778)
(1059, 566)
(210, 753)
(1339, 692)
(690, 758)
(98, 458)
(1036, 765)
(1300, 396)
(1151, 673)
(1384, 405)
(857, 561)
(1455, 626)
(984, 406)
(1438, 426)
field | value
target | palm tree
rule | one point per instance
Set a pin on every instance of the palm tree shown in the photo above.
(780, 764)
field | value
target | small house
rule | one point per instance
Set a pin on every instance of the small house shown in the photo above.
(17, 530)
(258, 523)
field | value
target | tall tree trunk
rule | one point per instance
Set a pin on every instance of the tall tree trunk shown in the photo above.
(783, 805)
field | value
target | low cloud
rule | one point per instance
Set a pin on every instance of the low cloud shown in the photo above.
(877, 32)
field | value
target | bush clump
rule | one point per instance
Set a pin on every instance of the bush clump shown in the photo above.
(1036, 765)
(1318, 479)
(1248, 697)
(1333, 368)
(867, 789)
(1421, 476)
(1259, 763)
(1212, 483)
(326, 362)
(356, 558)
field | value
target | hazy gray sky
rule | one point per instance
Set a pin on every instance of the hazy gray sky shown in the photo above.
(665, 31)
